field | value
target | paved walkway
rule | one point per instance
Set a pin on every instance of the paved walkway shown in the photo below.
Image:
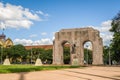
(88, 73)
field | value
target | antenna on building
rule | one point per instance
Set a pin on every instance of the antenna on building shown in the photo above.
(3, 30)
(2, 26)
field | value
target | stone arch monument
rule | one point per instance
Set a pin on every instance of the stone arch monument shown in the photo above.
(76, 38)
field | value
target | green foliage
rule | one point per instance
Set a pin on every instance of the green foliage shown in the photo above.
(116, 37)
(88, 54)
(66, 55)
(18, 52)
(44, 55)
(105, 54)
(15, 53)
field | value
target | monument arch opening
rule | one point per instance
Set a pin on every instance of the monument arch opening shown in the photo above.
(77, 37)
(88, 55)
(66, 52)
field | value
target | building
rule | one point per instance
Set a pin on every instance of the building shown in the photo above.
(46, 47)
(5, 43)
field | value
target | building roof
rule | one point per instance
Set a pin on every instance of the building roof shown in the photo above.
(46, 47)
(2, 36)
(39, 46)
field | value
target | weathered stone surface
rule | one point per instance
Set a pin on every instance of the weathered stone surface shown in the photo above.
(76, 38)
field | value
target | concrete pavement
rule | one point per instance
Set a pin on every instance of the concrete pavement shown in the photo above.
(87, 73)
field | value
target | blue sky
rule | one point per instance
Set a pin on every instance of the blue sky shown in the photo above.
(42, 18)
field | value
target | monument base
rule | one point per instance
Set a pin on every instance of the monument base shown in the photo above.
(75, 62)
(6, 62)
(38, 62)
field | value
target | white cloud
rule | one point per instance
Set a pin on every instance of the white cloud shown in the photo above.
(33, 35)
(2, 25)
(103, 28)
(29, 15)
(106, 38)
(53, 38)
(104, 31)
(18, 23)
(23, 41)
(12, 16)
(42, 13)
(43, 42)
(44, 33)
(27, 42)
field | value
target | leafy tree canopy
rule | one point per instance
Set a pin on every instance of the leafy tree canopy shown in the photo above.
(116, 36)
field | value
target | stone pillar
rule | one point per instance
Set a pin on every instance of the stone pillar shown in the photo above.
(57, 53)
(97, 53)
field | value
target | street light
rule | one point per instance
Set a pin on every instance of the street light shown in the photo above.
(109, 57)
(31, 55)
(1, 54)
(109, 54)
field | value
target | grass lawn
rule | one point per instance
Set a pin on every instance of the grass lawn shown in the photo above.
(29, 68)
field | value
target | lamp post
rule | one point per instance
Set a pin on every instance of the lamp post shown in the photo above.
(1, 53)
(109, 57)
(31, 55)
(109, 53)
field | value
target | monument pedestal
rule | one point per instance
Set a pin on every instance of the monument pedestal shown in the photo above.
(75, 62)
(38, 62)
(6, 62)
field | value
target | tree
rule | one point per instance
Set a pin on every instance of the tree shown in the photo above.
(46, 55)
(88, 55)
(18, 53)
(116, 37)
(106, 54)
(66, 55)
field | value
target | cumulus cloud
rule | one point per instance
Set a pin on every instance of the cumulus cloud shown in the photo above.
(104, 31)
(103, 28)
(27, 42)
(12, 16)
(43, 33)
(23, 41)
(106, 38)
(2, 25)
(42, 13)
(33, 35)
(43, 42)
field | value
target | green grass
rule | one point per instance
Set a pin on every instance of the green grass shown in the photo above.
(29, 68)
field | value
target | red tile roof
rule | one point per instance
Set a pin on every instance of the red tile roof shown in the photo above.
(40, 46)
